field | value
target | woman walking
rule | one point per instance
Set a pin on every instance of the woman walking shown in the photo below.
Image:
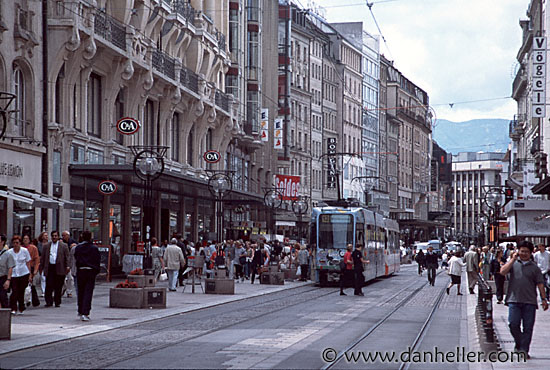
(21, 276)
(156, 254)
(455, 271)
(496, 264)
(303, 260)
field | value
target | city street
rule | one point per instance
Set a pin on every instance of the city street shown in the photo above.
(285, 329)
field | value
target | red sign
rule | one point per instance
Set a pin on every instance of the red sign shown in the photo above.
(140, 246)
(289, 186)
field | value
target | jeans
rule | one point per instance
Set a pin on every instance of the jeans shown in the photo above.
(17, 297)
(238, 271)
(519, 313)
(172, 278)
(304, 269)
(432, 273)
(4, 302)
(358, 282)
(499, 282)
(85, 288)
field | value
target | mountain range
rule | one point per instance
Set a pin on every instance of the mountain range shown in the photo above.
(487, 135)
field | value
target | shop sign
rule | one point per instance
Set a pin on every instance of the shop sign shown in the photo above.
(331, 172)
(289, 186)
(107, 187)
(212, 156)
(264, 125)
(127, 126)
(538, 73)
(278, 133)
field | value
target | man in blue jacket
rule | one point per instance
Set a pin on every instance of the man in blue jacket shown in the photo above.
(87, 259)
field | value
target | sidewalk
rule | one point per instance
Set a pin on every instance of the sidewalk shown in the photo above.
(41, 325)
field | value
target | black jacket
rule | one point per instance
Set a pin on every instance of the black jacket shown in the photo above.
(431, 259)
(86, 254)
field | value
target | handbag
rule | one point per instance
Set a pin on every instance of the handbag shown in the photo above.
(163, 276)
(28, 295)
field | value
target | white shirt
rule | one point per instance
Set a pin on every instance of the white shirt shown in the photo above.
(21, 260)
(455, 266)
(542, 260)
(53, 253)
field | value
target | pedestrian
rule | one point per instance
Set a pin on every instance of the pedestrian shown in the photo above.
(182, 244)
(358, 261)
(72, 283)
(256, 260)
(230, 257)
(496, 264)
(156, 255)
(445, 260)
(66, 237)
(247, 265)
(420, 259)
(471, 258)
(486, 263)
(7, 264)
(346, 275)
(303, 261)
(508, 251)
(521, 298)
(431, 265)
(87, 261)
(21, 275)
(542, 259)
(54, 263)
(455, 271)
(41, 241)
(3, 242)
(239, 260)
(35, 265)
(173, 261)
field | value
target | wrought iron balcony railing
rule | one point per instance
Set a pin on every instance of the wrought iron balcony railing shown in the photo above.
(189, 79)
(164, 63)
(222, 100)
(110, 29)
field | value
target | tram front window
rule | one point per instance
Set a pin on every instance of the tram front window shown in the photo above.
(335, 231)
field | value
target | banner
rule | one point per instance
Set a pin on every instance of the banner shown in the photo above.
(332, 164)
(289, 186)
(278, 133)
(264, 125)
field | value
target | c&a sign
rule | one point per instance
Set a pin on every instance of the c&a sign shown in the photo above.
(289, 186)
(107, 187)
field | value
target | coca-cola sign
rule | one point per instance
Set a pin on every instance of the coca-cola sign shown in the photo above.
(288, 186)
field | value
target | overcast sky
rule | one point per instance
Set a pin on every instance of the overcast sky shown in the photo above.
(456, 50)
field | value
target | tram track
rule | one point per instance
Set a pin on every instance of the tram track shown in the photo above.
(122, 349)
(386, 317)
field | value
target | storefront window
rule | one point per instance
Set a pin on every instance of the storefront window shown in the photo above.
(188, 226)
(173, 223)
(136, 223)
(23, 219)
(93, 217)
(115, 233)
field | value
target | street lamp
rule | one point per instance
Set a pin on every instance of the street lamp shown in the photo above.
(300, 207)
(494, 198)
(5, 100)
(219, 185)
(148, 166)
(273, 200)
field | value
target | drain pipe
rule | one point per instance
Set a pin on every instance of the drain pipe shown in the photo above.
(44, 178)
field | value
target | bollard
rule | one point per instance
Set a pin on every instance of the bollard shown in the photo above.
(484, 314)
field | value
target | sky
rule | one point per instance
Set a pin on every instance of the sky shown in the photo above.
(458, 51)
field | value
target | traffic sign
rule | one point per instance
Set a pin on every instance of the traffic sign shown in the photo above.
(212, 156)
(127, 126)
(107, 187)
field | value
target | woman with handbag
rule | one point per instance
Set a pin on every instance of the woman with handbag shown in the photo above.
(156, 254)
(21, 276)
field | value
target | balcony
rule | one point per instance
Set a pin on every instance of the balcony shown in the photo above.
(184, 9)
(520, 83)
(222, 101)
(164, 63)
(190, 80)
(110, 30)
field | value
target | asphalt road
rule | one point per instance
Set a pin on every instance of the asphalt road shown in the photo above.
(288, 329)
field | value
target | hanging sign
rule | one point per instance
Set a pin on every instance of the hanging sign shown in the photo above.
(278, 133)
(331, 171)
(107, 187)
(127, 126)
(264, 125)
(212, 156)
(538, 73)
(289, 185)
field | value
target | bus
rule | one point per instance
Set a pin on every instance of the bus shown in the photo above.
(332, 228)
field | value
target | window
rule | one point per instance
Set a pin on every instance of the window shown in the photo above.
(94, 105)
(234, 34)
(253, 111)
(58, 95)
(94, 156)
(253, 10)
(190, 148)
(119, 113)
(20, 102)
(175, 135)
(149, 123)
(253, 56)
(56, 173)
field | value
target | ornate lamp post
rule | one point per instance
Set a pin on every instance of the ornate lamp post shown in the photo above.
(219, 185)
(148, 166)
(494, 198)
(273, 200)
(5, 100)
(300, 207)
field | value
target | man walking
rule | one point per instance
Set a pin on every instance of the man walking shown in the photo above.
(542, 259)
(420, 259)
(54, 263)
(472, 267)
(521, 298)
(431, 265)
(173, 260)
(346, 274)
(87, 261)
(358, 269)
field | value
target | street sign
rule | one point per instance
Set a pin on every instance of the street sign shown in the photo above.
(127, 126)
(107, 187)
(212, 156)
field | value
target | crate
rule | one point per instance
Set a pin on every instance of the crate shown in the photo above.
(219, 286)
(126, 297)
(5, 323)
(154, 297)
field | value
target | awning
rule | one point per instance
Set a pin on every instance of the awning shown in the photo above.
(542, 187)
(39, 200)
(285, 223)
(19, 198)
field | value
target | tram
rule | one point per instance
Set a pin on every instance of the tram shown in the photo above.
(332, 228)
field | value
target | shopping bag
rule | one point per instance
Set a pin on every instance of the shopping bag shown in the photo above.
(163, 276)
(299, 271)
(28, 295)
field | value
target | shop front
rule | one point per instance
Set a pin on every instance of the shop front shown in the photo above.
(529, 219)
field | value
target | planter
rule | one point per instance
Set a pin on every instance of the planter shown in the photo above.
(273, 278)
(219, 286)
(126, 298)
(290, 274)
(154, 297)
(5, 323)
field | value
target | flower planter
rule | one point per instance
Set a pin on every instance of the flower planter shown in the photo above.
(126, 298)
(5, 323)
(142, 280)
(219, 286)
(154, 297)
